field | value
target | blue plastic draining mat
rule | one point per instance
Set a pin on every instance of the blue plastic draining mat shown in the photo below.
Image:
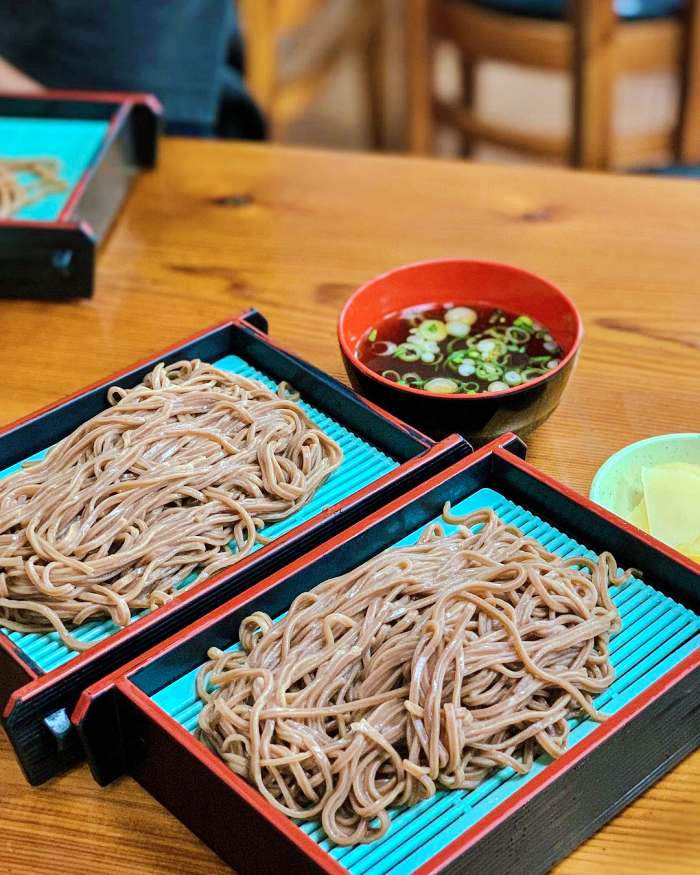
(656, 634)
(362, 464)
(73, 142)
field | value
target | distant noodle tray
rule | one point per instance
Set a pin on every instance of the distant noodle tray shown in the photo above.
(99, 141)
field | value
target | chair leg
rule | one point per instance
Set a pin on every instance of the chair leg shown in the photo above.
(468, 100)
(373, 71)
(594, 31)
(260, 53)
(419, 85)
(688, 138)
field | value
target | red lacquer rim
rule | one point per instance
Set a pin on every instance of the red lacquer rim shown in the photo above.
(140, 97)
(351, 354)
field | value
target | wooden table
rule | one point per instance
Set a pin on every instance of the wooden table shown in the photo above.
(220, 227)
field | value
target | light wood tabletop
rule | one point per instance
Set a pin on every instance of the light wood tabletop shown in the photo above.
(220, 227)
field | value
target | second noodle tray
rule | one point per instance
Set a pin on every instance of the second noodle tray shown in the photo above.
(41, 679)
(99, 141)
(142, 719)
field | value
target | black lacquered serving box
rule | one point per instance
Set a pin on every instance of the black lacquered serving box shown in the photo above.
(41, 679)
(101, 141)
(142, 719)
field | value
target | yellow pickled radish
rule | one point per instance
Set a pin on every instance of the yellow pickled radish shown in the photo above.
(672, 498)
(638, 517)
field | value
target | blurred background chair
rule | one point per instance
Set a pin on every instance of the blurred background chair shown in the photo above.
(284, 91)
(596, 41)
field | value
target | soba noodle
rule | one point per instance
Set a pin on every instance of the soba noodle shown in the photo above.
(15, 195)
(151, 490)
(426, 667)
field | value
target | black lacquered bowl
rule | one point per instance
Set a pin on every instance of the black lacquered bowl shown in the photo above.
(479, 417)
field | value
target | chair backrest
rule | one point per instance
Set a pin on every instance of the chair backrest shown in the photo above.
(266, 24)
(591, 43)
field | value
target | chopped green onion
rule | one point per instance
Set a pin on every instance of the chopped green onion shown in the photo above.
(517, 334)
(433, 329)
(486, 346)
(457, 357)
(531, 373)
(488, 371)
(463, 360)
(407, 352)
(383, 347)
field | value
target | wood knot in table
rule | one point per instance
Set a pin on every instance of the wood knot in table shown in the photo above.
(540, 214)
(233, 200)
(233, 278)
(335, 291)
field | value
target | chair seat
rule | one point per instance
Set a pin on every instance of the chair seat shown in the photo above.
(630, 9)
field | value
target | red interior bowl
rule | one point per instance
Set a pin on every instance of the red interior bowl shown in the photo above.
(471, 283)
(457, 281)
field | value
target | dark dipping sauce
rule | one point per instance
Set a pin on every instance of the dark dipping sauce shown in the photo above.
(459, 349)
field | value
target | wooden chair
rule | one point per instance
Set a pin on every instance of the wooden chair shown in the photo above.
(267, 23)
(590, 42)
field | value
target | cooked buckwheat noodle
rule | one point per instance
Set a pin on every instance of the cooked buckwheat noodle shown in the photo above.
(15, 195)
(156, 487)
(426, 667)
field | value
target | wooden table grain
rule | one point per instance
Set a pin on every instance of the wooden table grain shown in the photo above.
(220, 227)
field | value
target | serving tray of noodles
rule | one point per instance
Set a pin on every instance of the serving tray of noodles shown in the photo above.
(141, 503)
(474, 678)
(67, 160)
